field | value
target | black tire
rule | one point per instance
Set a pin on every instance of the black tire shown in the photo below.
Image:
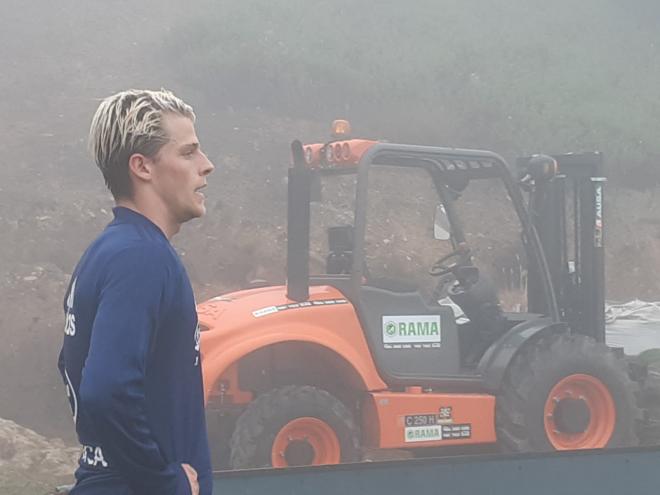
(649, 433)
(258, 426)
(537, 369)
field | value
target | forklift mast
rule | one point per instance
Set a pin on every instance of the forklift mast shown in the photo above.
(567, 212)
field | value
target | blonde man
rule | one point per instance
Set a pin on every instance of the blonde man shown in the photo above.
(130, 357)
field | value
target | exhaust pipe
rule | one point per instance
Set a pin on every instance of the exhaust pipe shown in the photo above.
(298, 218)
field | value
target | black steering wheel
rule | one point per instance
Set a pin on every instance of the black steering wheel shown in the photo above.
(443, 265)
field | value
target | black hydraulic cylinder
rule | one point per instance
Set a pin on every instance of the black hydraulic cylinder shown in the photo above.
(298, 218)
(548, 213)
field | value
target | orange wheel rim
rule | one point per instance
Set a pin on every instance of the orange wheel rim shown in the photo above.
(585, 393)
(305, 441)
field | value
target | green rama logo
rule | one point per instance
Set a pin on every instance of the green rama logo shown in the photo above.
(423, 434)
(418, 328)
(412, 329)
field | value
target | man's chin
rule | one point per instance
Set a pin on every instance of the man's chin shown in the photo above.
(192, 214)
(199, 211)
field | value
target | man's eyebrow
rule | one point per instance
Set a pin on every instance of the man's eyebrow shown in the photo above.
(190, 146)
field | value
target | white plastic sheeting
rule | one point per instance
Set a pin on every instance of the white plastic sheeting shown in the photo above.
(633, 325)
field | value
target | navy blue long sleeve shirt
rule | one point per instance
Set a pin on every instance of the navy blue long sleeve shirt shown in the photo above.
(131, 365)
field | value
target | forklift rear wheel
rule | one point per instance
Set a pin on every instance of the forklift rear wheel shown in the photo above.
(294, 426)
(566, 392)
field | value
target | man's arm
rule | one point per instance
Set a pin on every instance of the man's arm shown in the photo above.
(112, 388)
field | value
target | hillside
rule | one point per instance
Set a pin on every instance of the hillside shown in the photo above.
(516, 77)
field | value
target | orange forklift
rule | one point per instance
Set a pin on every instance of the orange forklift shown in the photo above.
(333, 365)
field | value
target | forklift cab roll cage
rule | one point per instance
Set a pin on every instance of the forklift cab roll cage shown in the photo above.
(563, 290)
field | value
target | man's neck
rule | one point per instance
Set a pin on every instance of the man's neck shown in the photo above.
(157, 215)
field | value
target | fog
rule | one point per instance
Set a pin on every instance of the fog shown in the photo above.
(513, 76)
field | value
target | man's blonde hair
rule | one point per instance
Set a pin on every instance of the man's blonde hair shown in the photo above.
(130, 122)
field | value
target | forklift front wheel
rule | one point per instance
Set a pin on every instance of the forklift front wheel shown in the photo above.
(567, 392)
(579, 413)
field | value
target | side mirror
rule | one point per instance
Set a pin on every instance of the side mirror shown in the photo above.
(441, 227)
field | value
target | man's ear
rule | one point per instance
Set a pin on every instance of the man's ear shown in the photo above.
(140, 167)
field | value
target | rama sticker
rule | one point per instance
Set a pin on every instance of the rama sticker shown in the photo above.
(430, 433)
(423, 433)
(411, 331)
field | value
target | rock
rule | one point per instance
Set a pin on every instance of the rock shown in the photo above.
(24, 452)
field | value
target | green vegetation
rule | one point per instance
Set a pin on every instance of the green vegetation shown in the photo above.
(650, 356)
(517, 76)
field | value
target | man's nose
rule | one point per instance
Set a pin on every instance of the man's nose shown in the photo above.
(208, 166)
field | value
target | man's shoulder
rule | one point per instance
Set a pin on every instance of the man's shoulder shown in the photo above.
(124, 244)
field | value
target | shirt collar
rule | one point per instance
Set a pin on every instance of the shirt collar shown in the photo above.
(127, 215)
